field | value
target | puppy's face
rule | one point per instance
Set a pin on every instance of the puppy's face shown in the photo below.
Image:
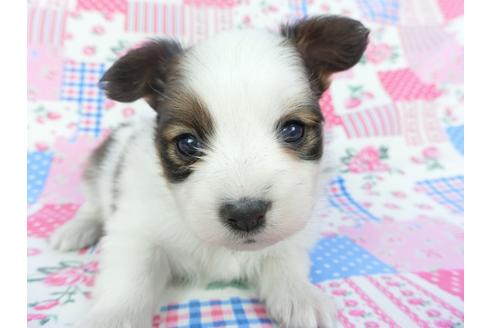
(239, 129)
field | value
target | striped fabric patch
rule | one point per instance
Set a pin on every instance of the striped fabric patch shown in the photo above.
(185, 21)
(417, 12)
(46, 25)
(420, 123)
(379, 121)
(432, 53)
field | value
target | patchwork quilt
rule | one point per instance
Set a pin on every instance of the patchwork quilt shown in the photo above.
(391, 249)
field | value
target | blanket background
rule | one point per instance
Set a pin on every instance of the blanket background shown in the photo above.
(391, 250)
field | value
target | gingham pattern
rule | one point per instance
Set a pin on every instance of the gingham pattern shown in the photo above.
(342, 200)
(80, 84)
(381, 11)
(232, 312)
(446, 191)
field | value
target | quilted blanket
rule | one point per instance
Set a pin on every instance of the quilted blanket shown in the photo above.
(391, 250)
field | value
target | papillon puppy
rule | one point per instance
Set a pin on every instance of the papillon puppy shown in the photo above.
(220, 183)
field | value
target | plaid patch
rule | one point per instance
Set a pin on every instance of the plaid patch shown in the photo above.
(233, 312)
(445, 191)
(381, 11)
(456, 135)
(339, 257)
(80, 84)
(38, 167)
(343, 201)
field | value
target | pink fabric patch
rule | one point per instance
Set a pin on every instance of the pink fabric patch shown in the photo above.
(419, 245)
(42, 223)
(107, 6)
(64, 181)
(44, 72)
(433, 54)
(213, 3)
(328, 110)
(403, 84)
(452, 281)
(451, 8)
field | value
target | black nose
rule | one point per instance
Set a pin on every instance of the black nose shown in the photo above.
(246, 214)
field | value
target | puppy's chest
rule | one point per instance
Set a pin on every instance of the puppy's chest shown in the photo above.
(217, 266)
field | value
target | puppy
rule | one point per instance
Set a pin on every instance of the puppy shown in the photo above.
(220, 184)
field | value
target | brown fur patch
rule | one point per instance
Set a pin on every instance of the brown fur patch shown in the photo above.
(182, 112)
(327, 44)
(142, 72)
(310, 147)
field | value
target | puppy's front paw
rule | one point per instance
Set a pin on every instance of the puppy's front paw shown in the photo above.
(76, 234)
(309, 308)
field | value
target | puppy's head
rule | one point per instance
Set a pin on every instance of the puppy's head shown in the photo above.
(239, 131)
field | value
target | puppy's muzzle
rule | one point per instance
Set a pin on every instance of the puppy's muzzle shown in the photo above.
(245, 215)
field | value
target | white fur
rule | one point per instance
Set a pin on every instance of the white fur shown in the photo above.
(162, 230)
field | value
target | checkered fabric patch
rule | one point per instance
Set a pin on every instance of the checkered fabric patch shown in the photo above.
(38, 166)
(456, 135)
(233, 312)
(339, 257)
(381, 11)
(80, 84)
(343, 201)
(446, 191)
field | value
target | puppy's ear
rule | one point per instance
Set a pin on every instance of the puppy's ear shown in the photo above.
(142, 72)
(328, 44)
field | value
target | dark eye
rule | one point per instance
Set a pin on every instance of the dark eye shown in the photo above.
(292, 131)
(188, 145)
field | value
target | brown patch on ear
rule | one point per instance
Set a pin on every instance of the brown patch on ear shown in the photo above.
(142, 72)
(327, 44)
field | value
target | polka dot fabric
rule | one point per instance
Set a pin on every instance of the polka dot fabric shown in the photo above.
(404, 85)
(42, 223)
(452, 281)
(339, 257)
(38, 167)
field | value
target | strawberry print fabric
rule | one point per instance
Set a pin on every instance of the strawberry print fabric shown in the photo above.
(390, 252)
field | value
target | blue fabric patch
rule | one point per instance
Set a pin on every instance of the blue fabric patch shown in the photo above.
(456, 135)
(38, 167)
(339, 257)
